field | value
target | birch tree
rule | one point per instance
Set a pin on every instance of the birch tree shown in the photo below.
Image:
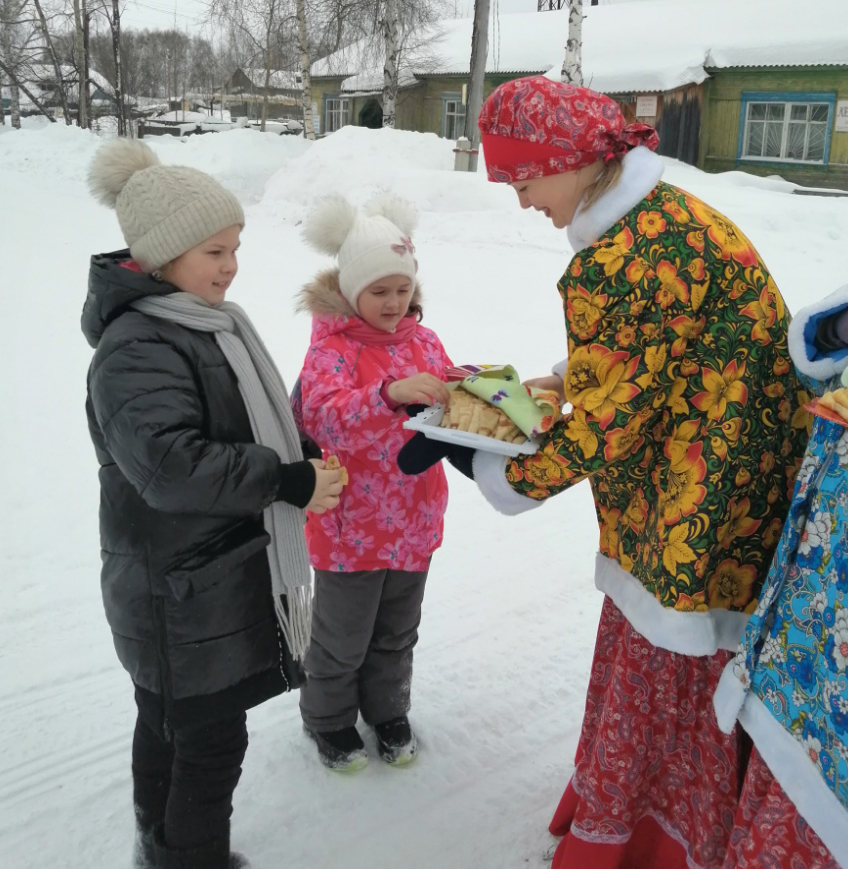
(10, 12)
(269, 27)
(54, 59)
(18, 49)
(305, 75)
(366, 35)
(391, 71)
(114, 19)
(572, 67)
(81, 56)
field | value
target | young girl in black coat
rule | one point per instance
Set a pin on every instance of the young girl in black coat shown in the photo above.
(205, 575)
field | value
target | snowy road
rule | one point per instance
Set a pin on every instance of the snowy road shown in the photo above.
(510, 613)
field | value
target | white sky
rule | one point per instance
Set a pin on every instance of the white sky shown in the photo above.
(190, 14)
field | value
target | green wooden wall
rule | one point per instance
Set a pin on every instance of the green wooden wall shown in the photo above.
(721, 118)
(419, 108)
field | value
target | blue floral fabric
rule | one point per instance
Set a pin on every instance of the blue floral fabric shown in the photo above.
(794, 653)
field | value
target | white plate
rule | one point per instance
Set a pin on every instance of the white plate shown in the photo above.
(428, 421)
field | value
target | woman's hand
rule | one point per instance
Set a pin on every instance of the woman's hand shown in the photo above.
(328, 487)
(552, 382)
(421, 388)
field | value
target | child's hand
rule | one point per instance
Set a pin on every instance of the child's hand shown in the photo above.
(328, 487)
(552, 382)
(421, 388)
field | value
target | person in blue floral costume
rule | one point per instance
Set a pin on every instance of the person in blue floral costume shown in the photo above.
(788, 684)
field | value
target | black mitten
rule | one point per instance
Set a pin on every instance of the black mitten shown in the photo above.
(462, 458)
(420, 453)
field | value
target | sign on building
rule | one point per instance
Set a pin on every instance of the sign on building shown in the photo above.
(842, 116)
(646, 106)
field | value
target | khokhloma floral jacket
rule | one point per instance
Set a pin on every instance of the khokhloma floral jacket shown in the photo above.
(384, 519)
(788, 684)
(687, 417)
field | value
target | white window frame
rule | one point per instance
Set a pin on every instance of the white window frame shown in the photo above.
(457, 114)
(336, 113)
(788, 105)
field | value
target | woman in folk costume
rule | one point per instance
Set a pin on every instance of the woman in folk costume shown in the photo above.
(788, 685)
(203, 485)
(685, 419)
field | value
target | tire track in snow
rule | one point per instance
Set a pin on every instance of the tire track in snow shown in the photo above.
(30, 780)
(47, 693)
(56, 746)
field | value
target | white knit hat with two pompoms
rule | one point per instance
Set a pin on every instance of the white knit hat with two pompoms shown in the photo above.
(163, 210)
(370, 244)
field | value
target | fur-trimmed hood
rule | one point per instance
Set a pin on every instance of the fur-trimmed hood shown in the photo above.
(322, 297)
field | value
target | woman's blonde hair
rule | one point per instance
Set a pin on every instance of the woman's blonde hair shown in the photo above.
(606, 180)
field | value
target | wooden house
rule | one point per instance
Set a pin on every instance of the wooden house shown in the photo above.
(760, 86)
(244, 92)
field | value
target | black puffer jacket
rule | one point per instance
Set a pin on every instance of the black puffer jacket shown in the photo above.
(185, 580)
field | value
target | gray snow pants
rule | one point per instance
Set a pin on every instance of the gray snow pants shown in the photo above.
(364, 627)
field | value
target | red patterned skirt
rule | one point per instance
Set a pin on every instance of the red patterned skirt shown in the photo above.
(768, 831)
(656, 783)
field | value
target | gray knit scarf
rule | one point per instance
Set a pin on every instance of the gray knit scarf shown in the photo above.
(273, 426)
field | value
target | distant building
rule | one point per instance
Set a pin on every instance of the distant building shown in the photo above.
(244, 92)
(758, 85)
(40, 81)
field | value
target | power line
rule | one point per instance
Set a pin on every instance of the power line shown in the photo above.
(163, 11)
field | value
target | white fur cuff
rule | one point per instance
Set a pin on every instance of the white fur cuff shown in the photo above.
(802, 333)
(490, 476)
(560, 368)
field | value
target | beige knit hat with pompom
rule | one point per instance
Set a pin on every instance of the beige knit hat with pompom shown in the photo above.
(163, 210)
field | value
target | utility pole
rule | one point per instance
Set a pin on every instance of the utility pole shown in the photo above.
(82, 62)
(479, 54)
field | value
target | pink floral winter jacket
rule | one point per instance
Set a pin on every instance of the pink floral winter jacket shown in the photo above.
(384, 519)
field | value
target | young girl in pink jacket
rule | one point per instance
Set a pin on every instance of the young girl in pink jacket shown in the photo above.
(369, 359)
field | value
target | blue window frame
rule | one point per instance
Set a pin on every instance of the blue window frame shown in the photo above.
(786, 127)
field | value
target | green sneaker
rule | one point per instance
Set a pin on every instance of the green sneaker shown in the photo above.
(396, 742)
(340, 750)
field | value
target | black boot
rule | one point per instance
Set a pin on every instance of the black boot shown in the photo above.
(396, 741)
(340, 750)
(210, 855)
(145, 855)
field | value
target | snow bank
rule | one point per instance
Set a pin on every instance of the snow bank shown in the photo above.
(242, 160)
(47, 151)
(359, 162)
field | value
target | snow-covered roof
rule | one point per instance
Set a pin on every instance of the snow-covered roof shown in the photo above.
(653, 45)
(281, 79)
(40, 79)
(372, 82)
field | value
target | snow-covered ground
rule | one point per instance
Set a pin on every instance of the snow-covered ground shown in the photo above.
(510, 613)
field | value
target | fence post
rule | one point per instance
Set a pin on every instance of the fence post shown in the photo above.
(461, 155)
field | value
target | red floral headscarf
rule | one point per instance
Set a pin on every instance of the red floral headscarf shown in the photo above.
(533, 126)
